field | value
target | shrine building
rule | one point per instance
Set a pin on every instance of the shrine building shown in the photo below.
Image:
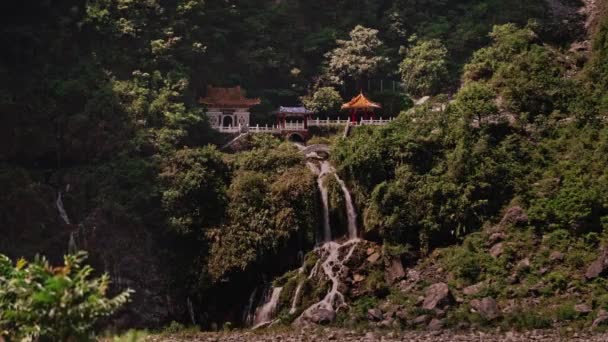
(360, 107)
(228, 107)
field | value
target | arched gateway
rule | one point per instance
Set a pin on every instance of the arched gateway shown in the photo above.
(227, 107)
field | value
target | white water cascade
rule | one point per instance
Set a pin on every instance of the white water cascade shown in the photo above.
(61, 209)
(350, 209)
(333, 257)
(333, 261)
(265, 313)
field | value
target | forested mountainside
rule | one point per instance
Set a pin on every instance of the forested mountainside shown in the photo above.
(105, 148)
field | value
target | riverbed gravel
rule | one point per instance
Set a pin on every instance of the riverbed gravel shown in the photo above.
(310, 335)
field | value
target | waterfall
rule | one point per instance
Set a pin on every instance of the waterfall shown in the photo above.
(333, 267)
(248, 313)
(72, 247)
(265, 313)
(61, 209)
(294, 302)
(350, 209)
(332, 260)
(191, 310)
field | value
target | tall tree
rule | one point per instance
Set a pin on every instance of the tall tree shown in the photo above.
(424, 67)
(357, 58)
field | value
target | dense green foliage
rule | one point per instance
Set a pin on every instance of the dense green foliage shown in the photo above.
(272, 198)
(439, 172)
(424, 67)
(41, 302)
(98, 100)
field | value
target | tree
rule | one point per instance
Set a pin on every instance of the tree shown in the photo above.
(194, 195)
(424, 67)
(475, 101)
(357, 58)
(325, 99)
(40, 302)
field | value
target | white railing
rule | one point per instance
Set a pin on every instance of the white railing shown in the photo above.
(263, 129)
(327, 122)
(228, 129)
(298, 126)
(339, 122)
(370, 122)
(293, 126)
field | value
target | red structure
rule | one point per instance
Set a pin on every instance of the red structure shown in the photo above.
(360, 107)
(296, 115)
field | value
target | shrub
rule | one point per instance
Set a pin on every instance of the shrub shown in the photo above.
(38, 301)
(525, 320)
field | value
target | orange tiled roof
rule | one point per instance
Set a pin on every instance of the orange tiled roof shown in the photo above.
(227, 97)
(360, 101)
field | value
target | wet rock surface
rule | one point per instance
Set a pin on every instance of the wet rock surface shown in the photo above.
(372, 336)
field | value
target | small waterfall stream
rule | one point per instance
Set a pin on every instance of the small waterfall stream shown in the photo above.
(332, 260)
(265, 313)
(61, 209)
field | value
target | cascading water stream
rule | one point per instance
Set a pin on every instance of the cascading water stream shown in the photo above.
(61, 209)
(265, 313)
(350, 209)
(331, 262)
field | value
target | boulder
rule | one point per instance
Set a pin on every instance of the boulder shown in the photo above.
(497, 237)
(420, 320)
(437, 295)
(513, 216)
(321, 316)
(556, 256)
(413, 275)
(602, 317)
(599, 266)
(374, 315)
(402, 315)
(387, 323)
(394, 271)
(373, 258)
(486, 307)
(473, 289)
(358, 278)
(436, 324)
(497, 250)
(523, 264)
(582, 308)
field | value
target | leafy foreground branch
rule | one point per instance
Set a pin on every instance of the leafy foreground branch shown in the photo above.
(42, 302)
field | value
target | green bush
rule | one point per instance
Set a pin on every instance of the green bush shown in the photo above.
(41, 302)
(525, 320)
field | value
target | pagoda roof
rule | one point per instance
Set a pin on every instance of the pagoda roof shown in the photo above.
(227, 97)
(359, 102)
(294, 111)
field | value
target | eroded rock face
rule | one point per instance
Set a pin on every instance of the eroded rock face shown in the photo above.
(497, 250)
(513, 216)
(124, 250)
(601, 319)
(437, 295)
(599, 266)
(486, 307)
(394, 271)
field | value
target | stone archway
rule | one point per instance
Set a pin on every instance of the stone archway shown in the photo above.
(296, 137)
(227, 121)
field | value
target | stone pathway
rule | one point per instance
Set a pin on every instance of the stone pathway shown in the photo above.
(318, 335)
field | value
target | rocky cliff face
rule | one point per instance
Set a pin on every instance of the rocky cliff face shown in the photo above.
(39, 219)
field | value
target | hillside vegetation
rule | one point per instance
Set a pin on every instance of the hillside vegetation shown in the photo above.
(98, 111)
